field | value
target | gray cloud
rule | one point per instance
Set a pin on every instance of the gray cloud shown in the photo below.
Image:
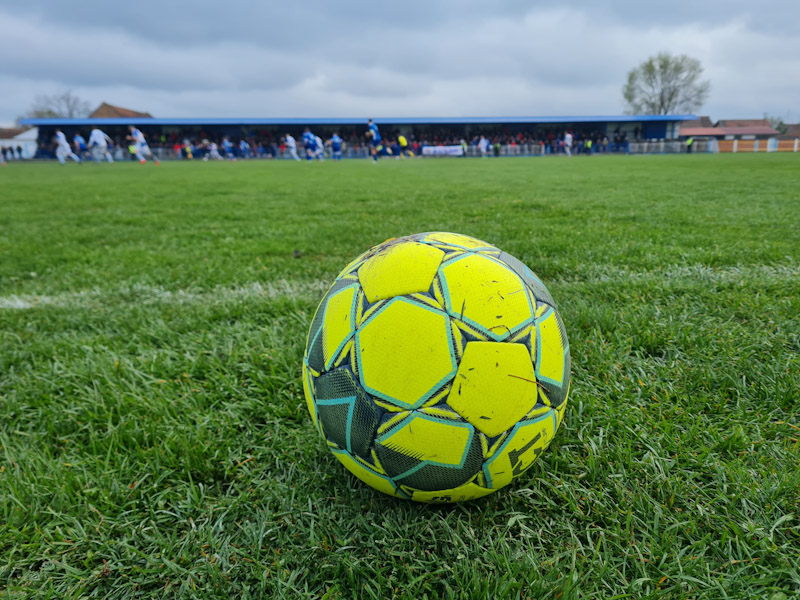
(319, 58)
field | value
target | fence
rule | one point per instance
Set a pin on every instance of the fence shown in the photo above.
(650, 147)
(540, 149)
(665, 147)
(121, 153)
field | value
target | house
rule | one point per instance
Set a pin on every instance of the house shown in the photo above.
(728, 129)
(792, 131)
(747, 129)
(109, 111)
(20, 138)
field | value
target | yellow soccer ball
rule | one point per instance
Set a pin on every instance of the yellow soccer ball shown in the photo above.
(437, 368)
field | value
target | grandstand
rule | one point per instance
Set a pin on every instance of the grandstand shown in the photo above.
(508, 135)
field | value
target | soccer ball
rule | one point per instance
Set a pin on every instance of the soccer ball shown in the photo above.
(437, 367)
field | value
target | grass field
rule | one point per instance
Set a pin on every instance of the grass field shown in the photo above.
(154, 441)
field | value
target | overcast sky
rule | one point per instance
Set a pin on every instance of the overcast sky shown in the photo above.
(336, 58)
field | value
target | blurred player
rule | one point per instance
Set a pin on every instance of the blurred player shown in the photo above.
(336, 147)
(483, 146)
(79, 143)
(244, 148)
(63, 151)
(320, 151)
(213, 151)
(291, 144)
(227, 147)
(568, 144)
(98, 145)
(375, 139)
(310, 143)
(140, 147)
(405, 150)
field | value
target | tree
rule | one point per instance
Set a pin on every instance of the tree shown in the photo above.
(66, 105)
(665, 84)
(777, 124)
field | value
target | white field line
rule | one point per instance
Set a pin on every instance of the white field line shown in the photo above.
(144, 295)
(699, 273)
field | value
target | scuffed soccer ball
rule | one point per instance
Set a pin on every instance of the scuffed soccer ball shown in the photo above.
(437, 367)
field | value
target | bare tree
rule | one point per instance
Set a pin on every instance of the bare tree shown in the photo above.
(665, 84)
(66, 105)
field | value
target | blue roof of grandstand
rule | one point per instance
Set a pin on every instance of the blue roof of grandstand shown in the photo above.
(340, 121)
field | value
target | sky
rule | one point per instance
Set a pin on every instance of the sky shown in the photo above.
(324, 58)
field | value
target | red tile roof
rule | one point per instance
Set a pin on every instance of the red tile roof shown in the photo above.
(8, 133)
(700, 131)
(792, 130)
(744, 123)
(699, 122)
(109, 111)
(754, 130)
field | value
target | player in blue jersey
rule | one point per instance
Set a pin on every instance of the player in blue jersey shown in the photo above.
(80, 145)
(336, 147)
(310, 142)
(375, 139)
(227, 147)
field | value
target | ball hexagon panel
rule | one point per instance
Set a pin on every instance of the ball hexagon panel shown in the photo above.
(308, 392)
(520, 449)
(538, 288)
(461, 493)
(429, 453)
(455, 240)
(552, 360)
(486, 295)
(495, 386)
(339, 322)
(366, 472)
(405, 352)
(335, 313)
(399, 267)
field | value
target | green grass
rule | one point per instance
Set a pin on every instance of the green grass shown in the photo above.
(154, 441)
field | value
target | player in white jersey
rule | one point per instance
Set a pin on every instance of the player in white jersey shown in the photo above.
(483, 146)
(213, 151)
(320, 151)
(98, 145)
(63, 151)
(291, 144)
(141, 149)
